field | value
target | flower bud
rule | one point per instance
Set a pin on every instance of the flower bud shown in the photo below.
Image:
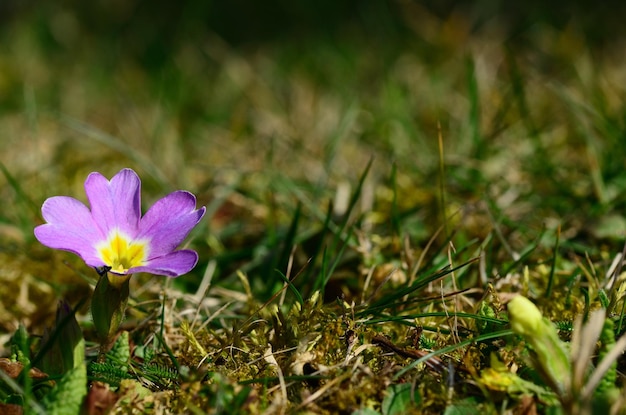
(551, 354)
(64, 349)
(525, 318)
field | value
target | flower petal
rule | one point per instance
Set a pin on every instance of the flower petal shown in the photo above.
(70, 227)
(168, 222)
(172, 265)
(115, 203)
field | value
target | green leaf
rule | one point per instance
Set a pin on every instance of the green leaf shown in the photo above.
(464, 407)
(19, 343)
(119, 354)
(59, 352)
(399, 399)
(67, 397)
(366, 411)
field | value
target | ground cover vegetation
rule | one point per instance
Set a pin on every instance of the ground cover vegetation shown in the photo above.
(381, 181)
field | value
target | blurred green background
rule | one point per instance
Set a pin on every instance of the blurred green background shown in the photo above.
(258, 107)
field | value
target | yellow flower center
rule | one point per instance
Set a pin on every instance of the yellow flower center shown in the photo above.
(121, 253)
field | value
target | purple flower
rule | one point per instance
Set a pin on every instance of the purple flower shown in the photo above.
(113, 233)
